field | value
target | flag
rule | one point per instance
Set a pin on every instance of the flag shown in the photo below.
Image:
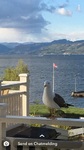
(54, 65)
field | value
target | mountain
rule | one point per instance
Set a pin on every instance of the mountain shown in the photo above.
(61, 41)
(4, 49)
(10, 45)
(31, 48)
(61, 46)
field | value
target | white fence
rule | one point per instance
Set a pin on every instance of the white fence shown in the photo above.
(18, 113)
(18, 100)
(41, 120)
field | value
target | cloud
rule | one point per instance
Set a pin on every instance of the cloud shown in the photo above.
(62, 9)
(78, 8)
(76, 35)
(6, 35)
(23, 19)
(64, 5)
(64, 12)
(73, 36)
(23, 15)
(45, 7)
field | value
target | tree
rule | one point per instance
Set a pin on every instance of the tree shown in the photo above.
(11, 73)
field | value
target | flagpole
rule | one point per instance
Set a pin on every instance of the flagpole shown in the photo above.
(54, 66)
(53, 79)
(75, 83)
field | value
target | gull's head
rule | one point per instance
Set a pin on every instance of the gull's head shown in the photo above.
(46, 84)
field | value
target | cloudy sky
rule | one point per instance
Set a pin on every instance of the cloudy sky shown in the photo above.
(41, 20)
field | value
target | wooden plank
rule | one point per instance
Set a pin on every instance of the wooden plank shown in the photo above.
(74, 132)
(6, 86)
(12, 94)
(12, 145)
(43, 120)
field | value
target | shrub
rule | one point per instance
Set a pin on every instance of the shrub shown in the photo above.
(11, 73)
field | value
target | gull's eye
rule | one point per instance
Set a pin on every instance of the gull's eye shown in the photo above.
(48, 83)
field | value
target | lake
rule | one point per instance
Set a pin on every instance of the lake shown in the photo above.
(41, 69)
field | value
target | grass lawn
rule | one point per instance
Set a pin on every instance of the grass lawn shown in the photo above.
(38, 109)
(73, 112)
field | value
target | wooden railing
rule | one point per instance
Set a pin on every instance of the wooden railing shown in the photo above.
(79, 145)
(17, 100)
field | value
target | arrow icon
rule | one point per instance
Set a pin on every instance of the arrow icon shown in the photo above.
(41, 135)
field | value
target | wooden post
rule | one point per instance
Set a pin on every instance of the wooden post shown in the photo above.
(3, 107)
(12, 145)
(25, 97)
(0, 87)
(2, 134)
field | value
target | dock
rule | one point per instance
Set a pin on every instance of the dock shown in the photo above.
(78, 94)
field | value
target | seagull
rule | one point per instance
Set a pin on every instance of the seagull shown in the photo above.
(52, 100)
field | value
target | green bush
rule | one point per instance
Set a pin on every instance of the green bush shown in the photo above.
(11, 73)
